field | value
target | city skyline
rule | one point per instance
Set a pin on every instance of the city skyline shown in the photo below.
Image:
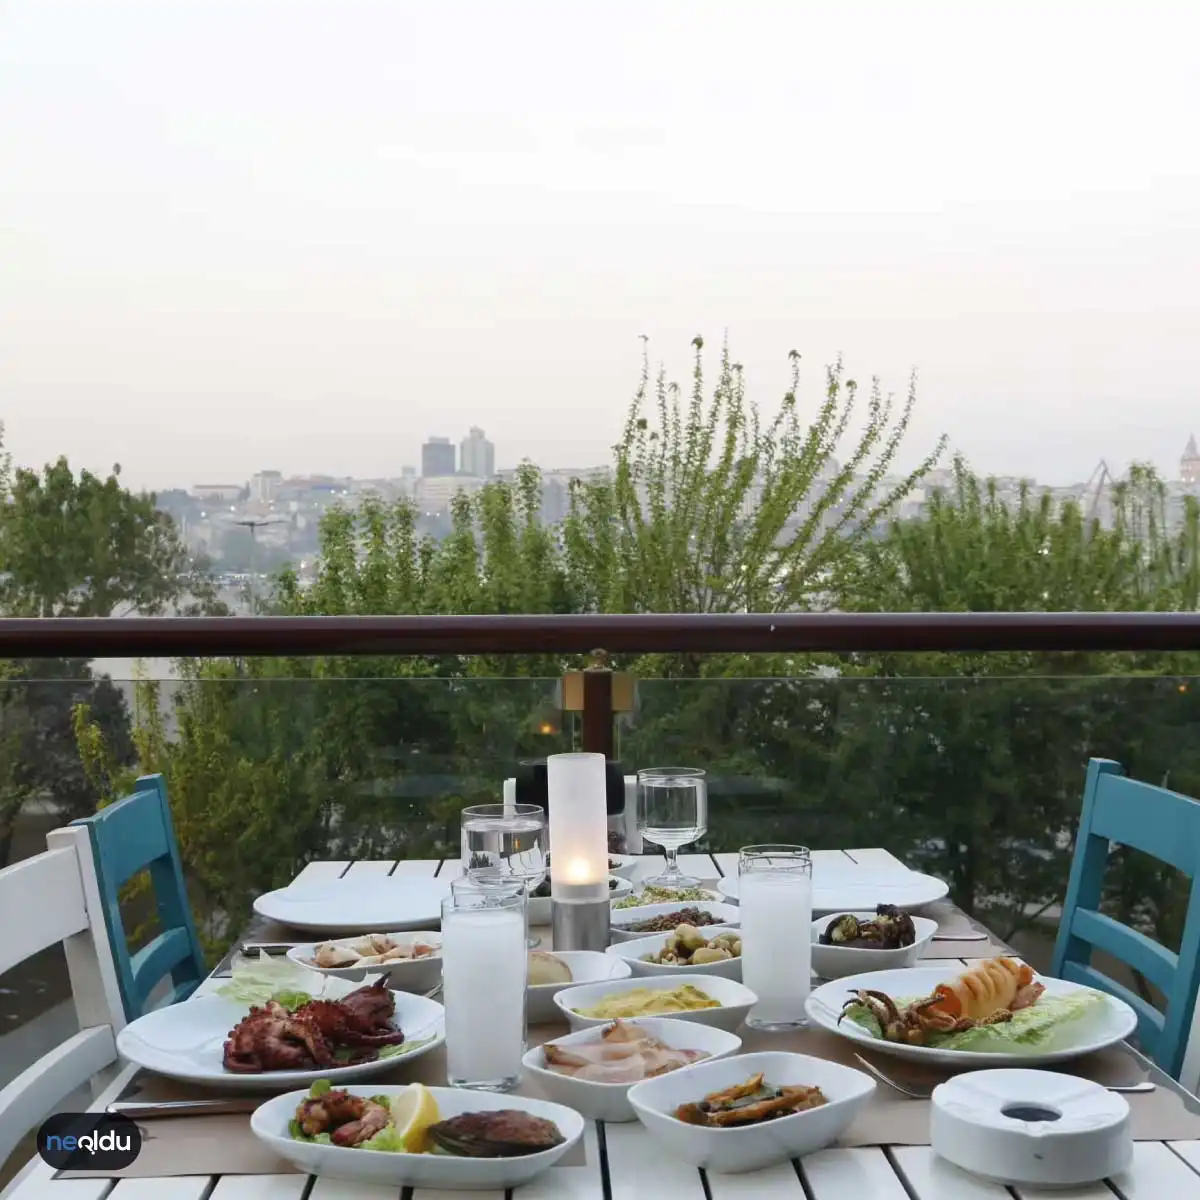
(390, 219)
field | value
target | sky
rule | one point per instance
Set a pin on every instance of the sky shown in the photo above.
(299, 235)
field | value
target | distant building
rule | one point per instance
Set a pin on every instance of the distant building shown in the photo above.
(437, 458)
(1189, 464)
(476, 455)
(264, 486)
(217, 493)
(435, 492)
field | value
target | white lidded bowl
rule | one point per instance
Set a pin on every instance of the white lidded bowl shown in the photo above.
(836, 962)
(405, 975)
(726, 915)
(610, 1101)
(733, 999)
(540, 912)
(586, 966)
(632, 952)
(269, 1123)
(751, 1147)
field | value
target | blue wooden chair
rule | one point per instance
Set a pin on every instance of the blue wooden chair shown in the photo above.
(129, 836)
(1166, 826)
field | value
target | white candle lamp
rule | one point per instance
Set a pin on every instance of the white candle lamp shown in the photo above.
(578, 820)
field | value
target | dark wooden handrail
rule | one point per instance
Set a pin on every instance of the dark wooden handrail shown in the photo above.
(168, 637)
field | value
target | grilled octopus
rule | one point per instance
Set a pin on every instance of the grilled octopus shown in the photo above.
(318, 1034)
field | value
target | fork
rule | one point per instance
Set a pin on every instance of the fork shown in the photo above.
(918, 1091)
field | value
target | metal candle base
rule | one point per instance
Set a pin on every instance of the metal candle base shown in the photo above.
(580, 925)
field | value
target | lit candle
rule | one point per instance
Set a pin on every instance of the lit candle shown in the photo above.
(578, 820)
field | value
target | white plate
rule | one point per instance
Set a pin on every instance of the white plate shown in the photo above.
(733, 999)
(631, 951)
(406, 975)
(836, 962)
(726, 914)
(1111, 1022)
(610, 1101)
(752, 1147)
(352, 906)
(270, 1124)
(187, 1041)
(838, 890)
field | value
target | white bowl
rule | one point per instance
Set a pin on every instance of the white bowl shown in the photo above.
(414, 975)
(836, 962)
(632, 951)
(269, 1122)
(610, 1101)
(752, 1147)
(539, 906)
(734, 1000)
(623, 865)
(586, 966)
(726, 914)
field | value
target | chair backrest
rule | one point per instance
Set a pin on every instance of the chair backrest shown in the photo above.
(1166, 826)
(129, 836)
(47, 899)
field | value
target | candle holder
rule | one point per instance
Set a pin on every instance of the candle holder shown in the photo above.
(578, 820)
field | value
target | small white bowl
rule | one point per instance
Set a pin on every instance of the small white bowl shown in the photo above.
(632, 952)
(734, 1001)
(726, 914)
(539, 906)
(836, 962)
(610, 1101)
(586, 966)
(406, 975)
(751, 1147)
(269, 1123)
(623, 865)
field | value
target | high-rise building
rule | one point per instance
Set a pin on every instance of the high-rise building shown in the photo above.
(264, 486)
(1189, 464)
(476, 455)
(437, 458)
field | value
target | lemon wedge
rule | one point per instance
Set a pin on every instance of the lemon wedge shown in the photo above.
(413, 1111)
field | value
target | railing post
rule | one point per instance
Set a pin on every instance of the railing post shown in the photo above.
(598, 694)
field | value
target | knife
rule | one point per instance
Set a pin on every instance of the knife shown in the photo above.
(181, 1108)
(269, 947)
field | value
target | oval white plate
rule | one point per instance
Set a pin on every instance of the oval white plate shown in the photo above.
(1111, 1022)
(269, 1123)
(351, 906)
(187, 1041)
(406, 975)
(856, 890)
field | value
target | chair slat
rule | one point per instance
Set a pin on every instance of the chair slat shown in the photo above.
(42, 900)
(156, 958)
(1133, 948)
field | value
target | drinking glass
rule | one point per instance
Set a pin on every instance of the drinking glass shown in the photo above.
(484, 975)
(508, 838)
(775, 907)
(672, 811)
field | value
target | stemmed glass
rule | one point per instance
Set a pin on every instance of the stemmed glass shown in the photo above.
(672, 811)
(509, 839)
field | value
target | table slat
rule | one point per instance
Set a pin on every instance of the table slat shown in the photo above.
(179, 1187)
(773, 1183)
(451, 868)
(876, 857)
(361, 868)
(417, 866)
(1189, 1152)
(346, 1189)
(570, 1183)
(260, 1187)
(46, 1187)
(851, 1175)
(932, 1178)
(700, 866)
(1156, 1173)
(727, 861)
(639, 1168)
(319, 872)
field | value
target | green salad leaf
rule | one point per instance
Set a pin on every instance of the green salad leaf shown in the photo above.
(257, 980)
(1037, 1029)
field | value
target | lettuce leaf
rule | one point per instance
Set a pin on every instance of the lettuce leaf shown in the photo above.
(1037, 1029)
(257, 980)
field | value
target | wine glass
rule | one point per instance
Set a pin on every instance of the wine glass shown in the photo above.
(509, 839)
(672, 811)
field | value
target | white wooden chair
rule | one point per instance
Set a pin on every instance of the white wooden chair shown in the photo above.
(53, 897)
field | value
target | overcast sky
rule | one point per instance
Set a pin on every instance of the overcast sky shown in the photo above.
(237, 234)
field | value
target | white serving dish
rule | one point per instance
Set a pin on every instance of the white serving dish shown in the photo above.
(752, 1147)
(835, 962)
(610, 1101)
(269, 1123)
(586, 966)
(187, 1041)
(412, 975)
(1111, 1022)
(540, 912)
(632, 951)
(726, 914)
(859, 889)
(623, 865)
(734, 999)
(341, 907)
(987, 1122)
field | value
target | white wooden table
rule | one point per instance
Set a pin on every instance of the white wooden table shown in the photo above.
(625, 1164)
